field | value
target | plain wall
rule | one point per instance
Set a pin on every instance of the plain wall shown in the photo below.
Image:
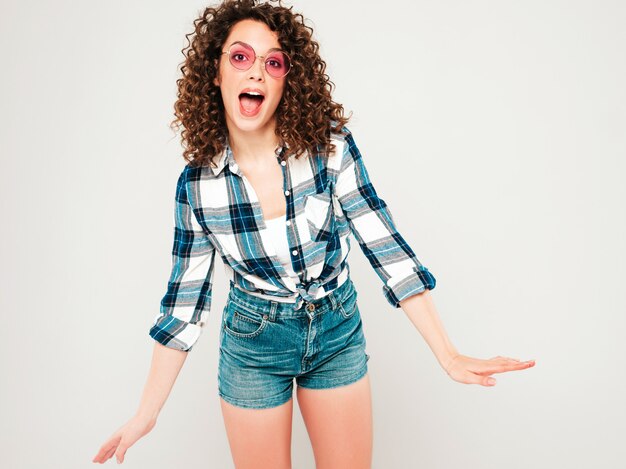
(494, 130)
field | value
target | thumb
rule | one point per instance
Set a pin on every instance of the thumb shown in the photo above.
(472, 378)
(121, 452)
(488, 381)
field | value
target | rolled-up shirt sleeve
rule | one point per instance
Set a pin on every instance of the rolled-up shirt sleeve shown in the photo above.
(185, 307)
(372, 225)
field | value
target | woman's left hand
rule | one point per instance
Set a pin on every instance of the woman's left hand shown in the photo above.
(470, 370)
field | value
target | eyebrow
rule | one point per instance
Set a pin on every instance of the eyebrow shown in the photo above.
(268, 50)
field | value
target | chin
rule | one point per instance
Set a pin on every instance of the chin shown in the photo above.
(251, 124)
(248, 126)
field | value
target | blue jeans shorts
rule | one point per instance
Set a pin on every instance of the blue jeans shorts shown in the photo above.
(265, 344)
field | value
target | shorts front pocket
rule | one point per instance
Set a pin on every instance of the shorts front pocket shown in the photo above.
(348, 305)
(243, 323)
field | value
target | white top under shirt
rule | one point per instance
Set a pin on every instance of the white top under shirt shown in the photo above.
(276, 226)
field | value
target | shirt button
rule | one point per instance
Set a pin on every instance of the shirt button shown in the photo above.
(284, 163)
(294, 252)
(287, 192)
(288, 222)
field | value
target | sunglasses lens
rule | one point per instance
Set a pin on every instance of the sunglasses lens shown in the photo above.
(241, 56)
(277, 64)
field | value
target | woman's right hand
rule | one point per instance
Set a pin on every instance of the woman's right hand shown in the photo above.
(124, 438)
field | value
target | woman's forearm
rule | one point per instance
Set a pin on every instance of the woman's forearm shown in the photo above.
(166, 364)
(423, 314)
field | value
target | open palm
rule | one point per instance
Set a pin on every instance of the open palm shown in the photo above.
(470, 370)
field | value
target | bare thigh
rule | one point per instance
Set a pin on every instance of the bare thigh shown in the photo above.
(259, 438)
(339, 423)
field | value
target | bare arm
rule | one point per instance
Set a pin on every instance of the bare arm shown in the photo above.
(422, 312)
(166, 365)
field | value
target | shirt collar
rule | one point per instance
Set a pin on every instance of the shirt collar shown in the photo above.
(227, 158)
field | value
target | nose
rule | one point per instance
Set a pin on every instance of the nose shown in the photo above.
(257, 71)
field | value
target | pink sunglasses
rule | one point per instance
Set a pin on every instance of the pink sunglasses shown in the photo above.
(241, 56)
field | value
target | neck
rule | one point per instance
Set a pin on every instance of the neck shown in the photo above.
(254, 146)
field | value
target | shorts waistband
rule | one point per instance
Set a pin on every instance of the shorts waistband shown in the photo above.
(329, 301)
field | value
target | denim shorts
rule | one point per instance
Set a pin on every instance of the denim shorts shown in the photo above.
(265, 344)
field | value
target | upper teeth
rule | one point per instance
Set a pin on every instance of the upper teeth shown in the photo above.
(253, 93)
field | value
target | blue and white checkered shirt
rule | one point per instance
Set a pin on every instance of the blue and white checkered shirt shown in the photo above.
(328, 198)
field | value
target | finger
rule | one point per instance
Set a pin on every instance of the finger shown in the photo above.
(110, 454)
(473, 378)
(488, 381)
(498, 365)
(484, 380)
(103, 451)
(505, 359)
(490, 367)
(121, 451)
(98, 456)
(512, 366)
(520, 361)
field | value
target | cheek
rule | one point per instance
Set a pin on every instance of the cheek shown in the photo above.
(279, 92)
(276, 102)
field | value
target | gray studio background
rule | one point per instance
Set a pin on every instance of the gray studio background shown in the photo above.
(494, 130)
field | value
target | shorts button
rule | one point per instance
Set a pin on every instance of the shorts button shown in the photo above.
(265, 316)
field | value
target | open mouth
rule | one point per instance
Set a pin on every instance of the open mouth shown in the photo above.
(250, 102)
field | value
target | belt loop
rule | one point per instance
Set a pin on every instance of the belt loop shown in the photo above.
(273, 308)
(333, 300)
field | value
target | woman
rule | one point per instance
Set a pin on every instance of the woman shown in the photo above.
(275, 184)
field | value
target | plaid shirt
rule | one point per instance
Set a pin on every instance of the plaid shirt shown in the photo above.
(217, 211)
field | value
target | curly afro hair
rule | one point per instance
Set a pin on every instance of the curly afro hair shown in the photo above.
(306, 114)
